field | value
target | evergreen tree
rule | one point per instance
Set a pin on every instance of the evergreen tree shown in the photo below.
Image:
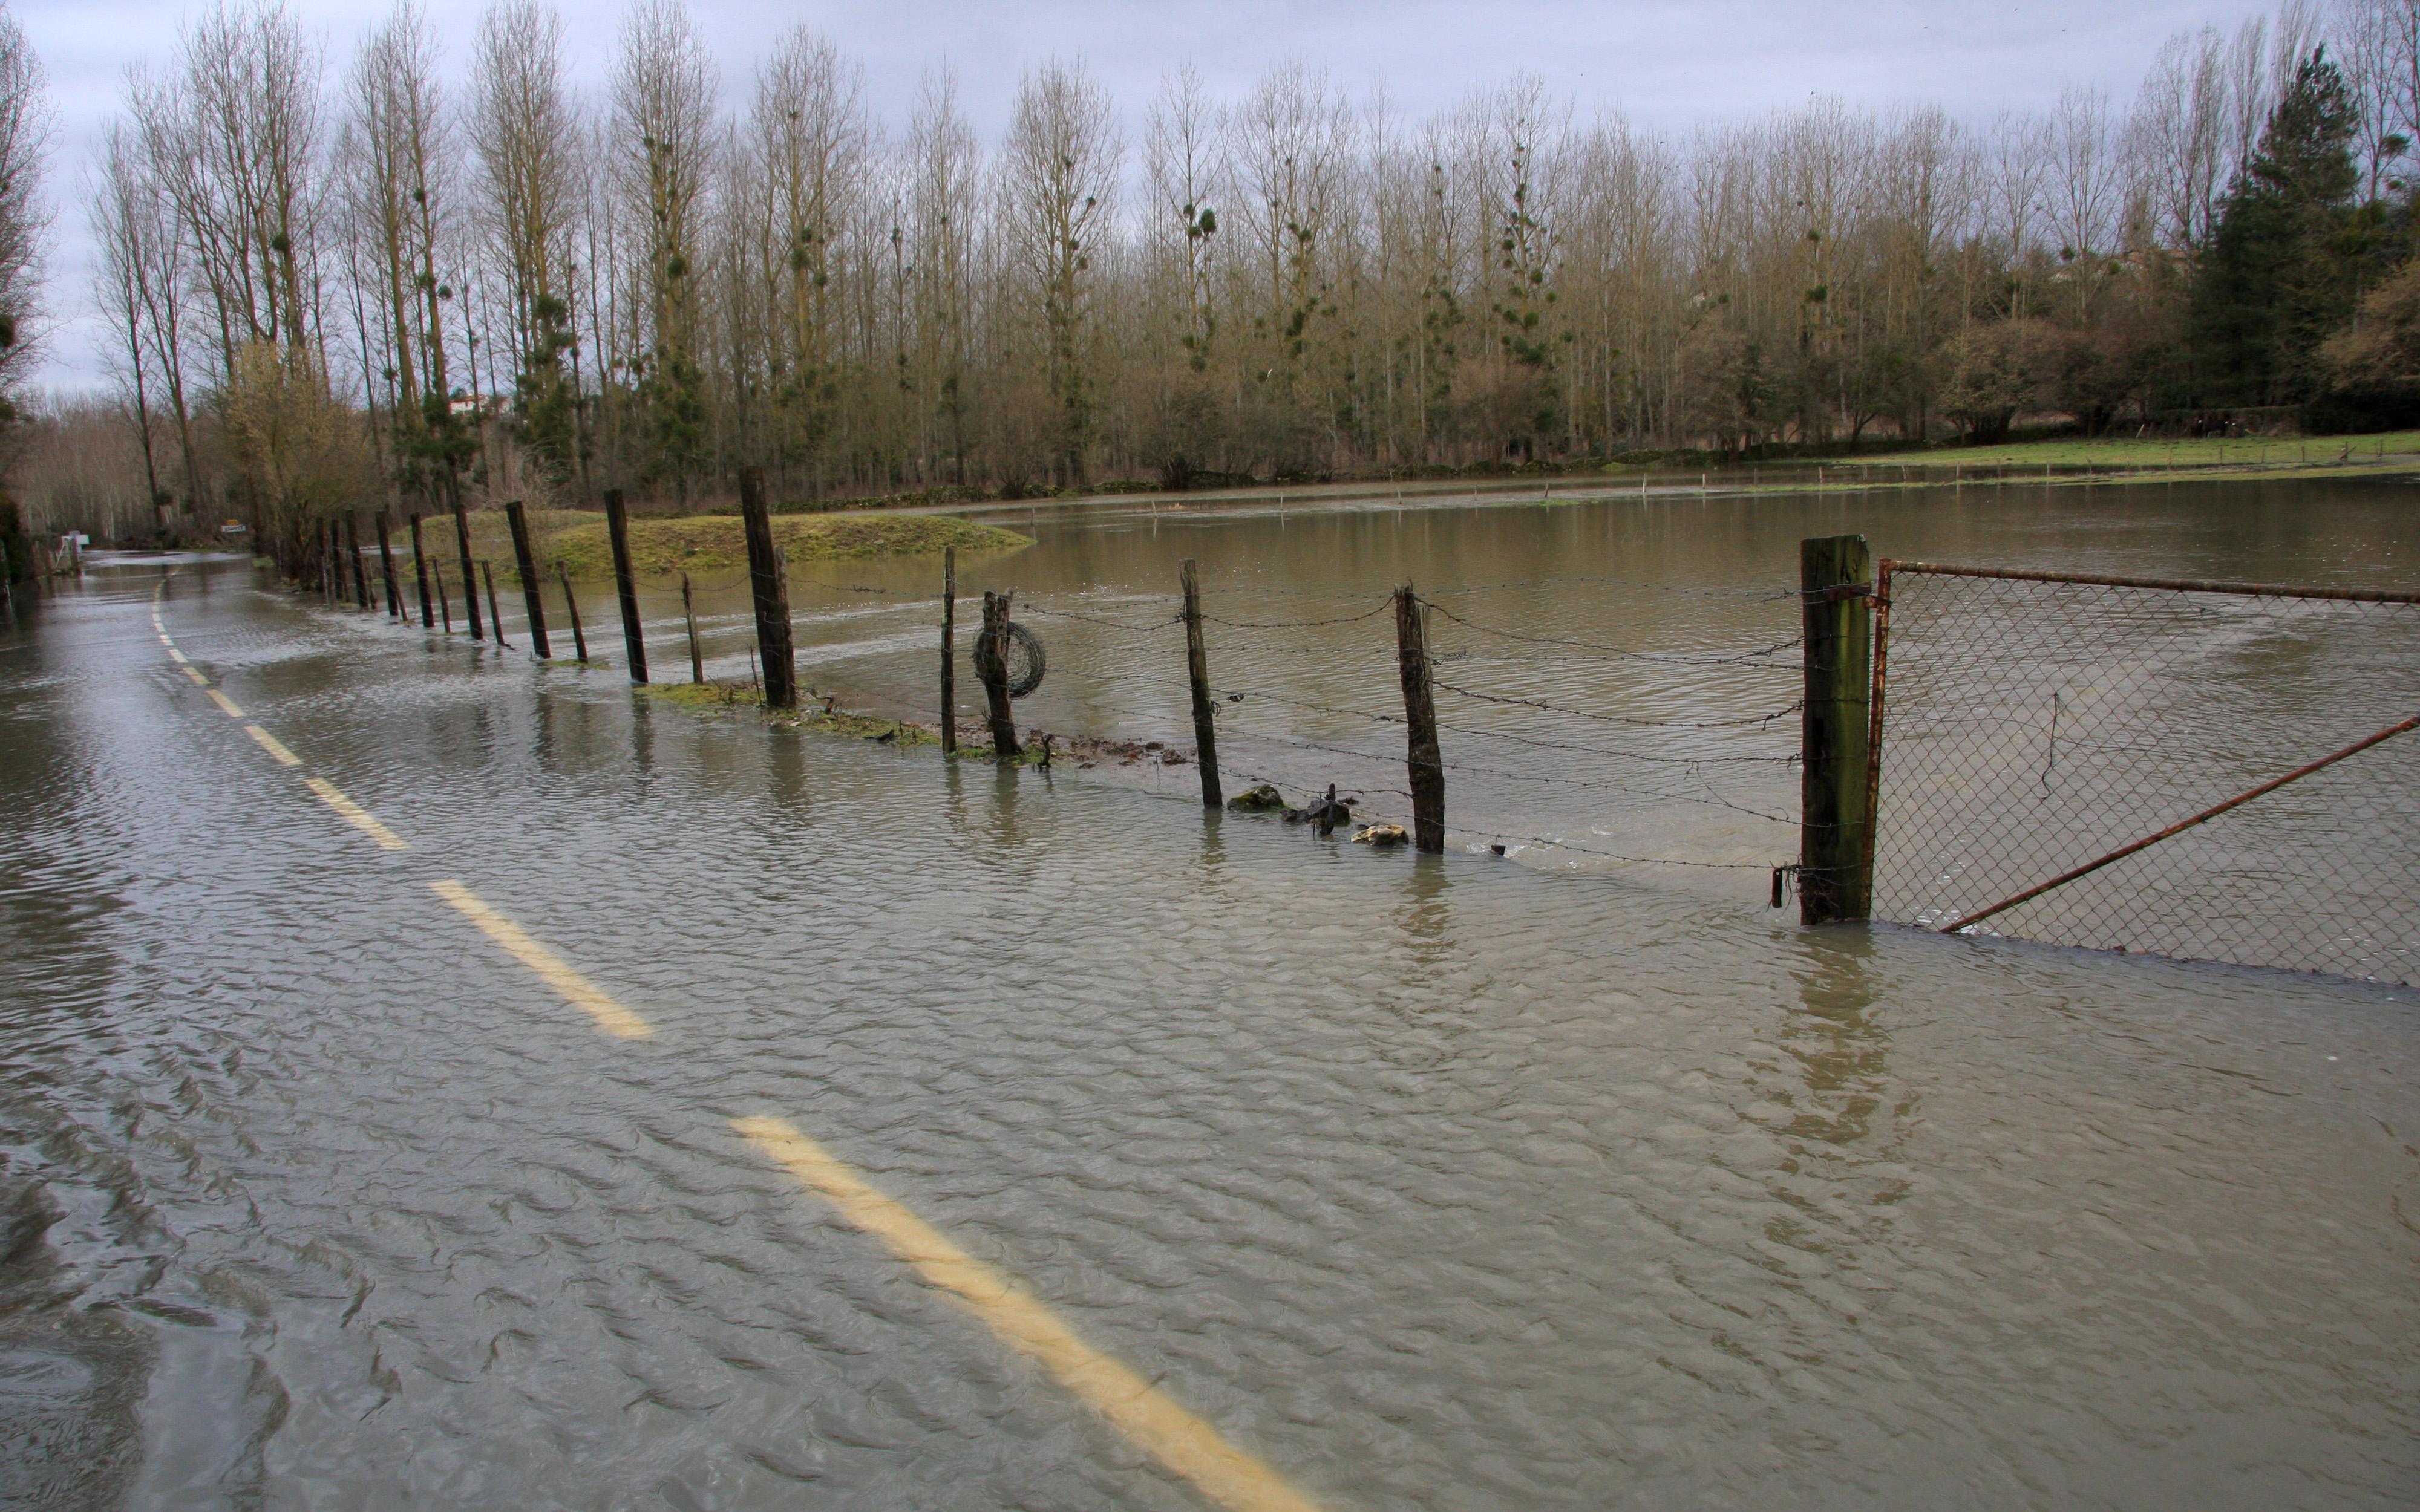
(2279, 276)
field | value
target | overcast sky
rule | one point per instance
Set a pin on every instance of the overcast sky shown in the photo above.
(1667, 65)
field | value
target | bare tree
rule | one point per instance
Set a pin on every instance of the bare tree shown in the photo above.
(134, 240)
(527, 198)
(2083, 191)
(2180, 126)
(664, 145)
(24, 219)
(808, 140)
(236, 137)
(2377, 43)
(1059, 172)
(945, 172)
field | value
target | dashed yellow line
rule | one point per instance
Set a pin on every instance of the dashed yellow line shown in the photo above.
(270, 743)
(1188, 1445)
(359, 816)
(1153, 1420)
(552, 969)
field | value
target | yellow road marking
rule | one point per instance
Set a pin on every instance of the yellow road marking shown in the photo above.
(1153, 1420)
(355, 812)
(199, 681)
(268, 743)
(576, 989)
(176, 656)
(226, 705)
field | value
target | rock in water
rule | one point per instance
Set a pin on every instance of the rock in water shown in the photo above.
(1383, 835)
(1261, 799)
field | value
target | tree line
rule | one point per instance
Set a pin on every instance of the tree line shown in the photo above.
(444, 269)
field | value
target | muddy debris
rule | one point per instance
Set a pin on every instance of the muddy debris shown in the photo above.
(1259, 798)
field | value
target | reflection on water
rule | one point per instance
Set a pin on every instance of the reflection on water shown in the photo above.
(1840, 1046)
(1436, 1181)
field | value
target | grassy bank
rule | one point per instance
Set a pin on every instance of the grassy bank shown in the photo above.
(576, 540)
(2251, 452)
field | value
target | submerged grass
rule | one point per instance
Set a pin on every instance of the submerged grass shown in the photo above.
(827, 718)
(576, 540)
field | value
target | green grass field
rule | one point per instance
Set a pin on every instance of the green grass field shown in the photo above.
(2126, 452)
(708, 542)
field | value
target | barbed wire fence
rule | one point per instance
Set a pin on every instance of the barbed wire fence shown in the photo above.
(1557, 741)
(2194, 769)
(2186, 768)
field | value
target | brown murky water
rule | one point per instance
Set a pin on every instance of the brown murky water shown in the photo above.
(1436, 1182)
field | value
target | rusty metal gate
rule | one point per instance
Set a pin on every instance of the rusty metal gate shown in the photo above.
(2212, 770)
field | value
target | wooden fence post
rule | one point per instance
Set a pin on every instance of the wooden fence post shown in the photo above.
(625, 587)
(992, 667)
(353, 550)
(495, 616)
(442, 607)
(533, 603)
(1197, 671)
(770, 587)
(571, 609)
(949, 650)
(688, 612)
(386, 567)
(420, 571)
(469, 571)
(1425, 761)
(1835, 874)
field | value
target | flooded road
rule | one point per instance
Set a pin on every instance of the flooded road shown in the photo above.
(1435, 1182)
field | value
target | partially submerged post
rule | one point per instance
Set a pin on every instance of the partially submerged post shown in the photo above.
(992, 667)
(469, 571)
(386, 567)
(420, 571)
(1835, 875)
(495, 616)
(688, 612)
(533, 603)
(1425, 761)
(353, 550)
(618, 530)
(949, 650)
(770, 586)
(443, 607)
(1197, 671)
(571, 608)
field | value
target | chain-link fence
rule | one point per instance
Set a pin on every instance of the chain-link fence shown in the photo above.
(2216, 771)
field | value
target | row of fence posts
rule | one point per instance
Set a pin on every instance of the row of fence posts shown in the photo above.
(1835, 867)
(338, 548)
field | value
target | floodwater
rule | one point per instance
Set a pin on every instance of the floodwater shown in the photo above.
(1435, 1182)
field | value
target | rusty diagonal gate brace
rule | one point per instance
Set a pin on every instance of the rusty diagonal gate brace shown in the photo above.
(2182, 824)
(1882, 643)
